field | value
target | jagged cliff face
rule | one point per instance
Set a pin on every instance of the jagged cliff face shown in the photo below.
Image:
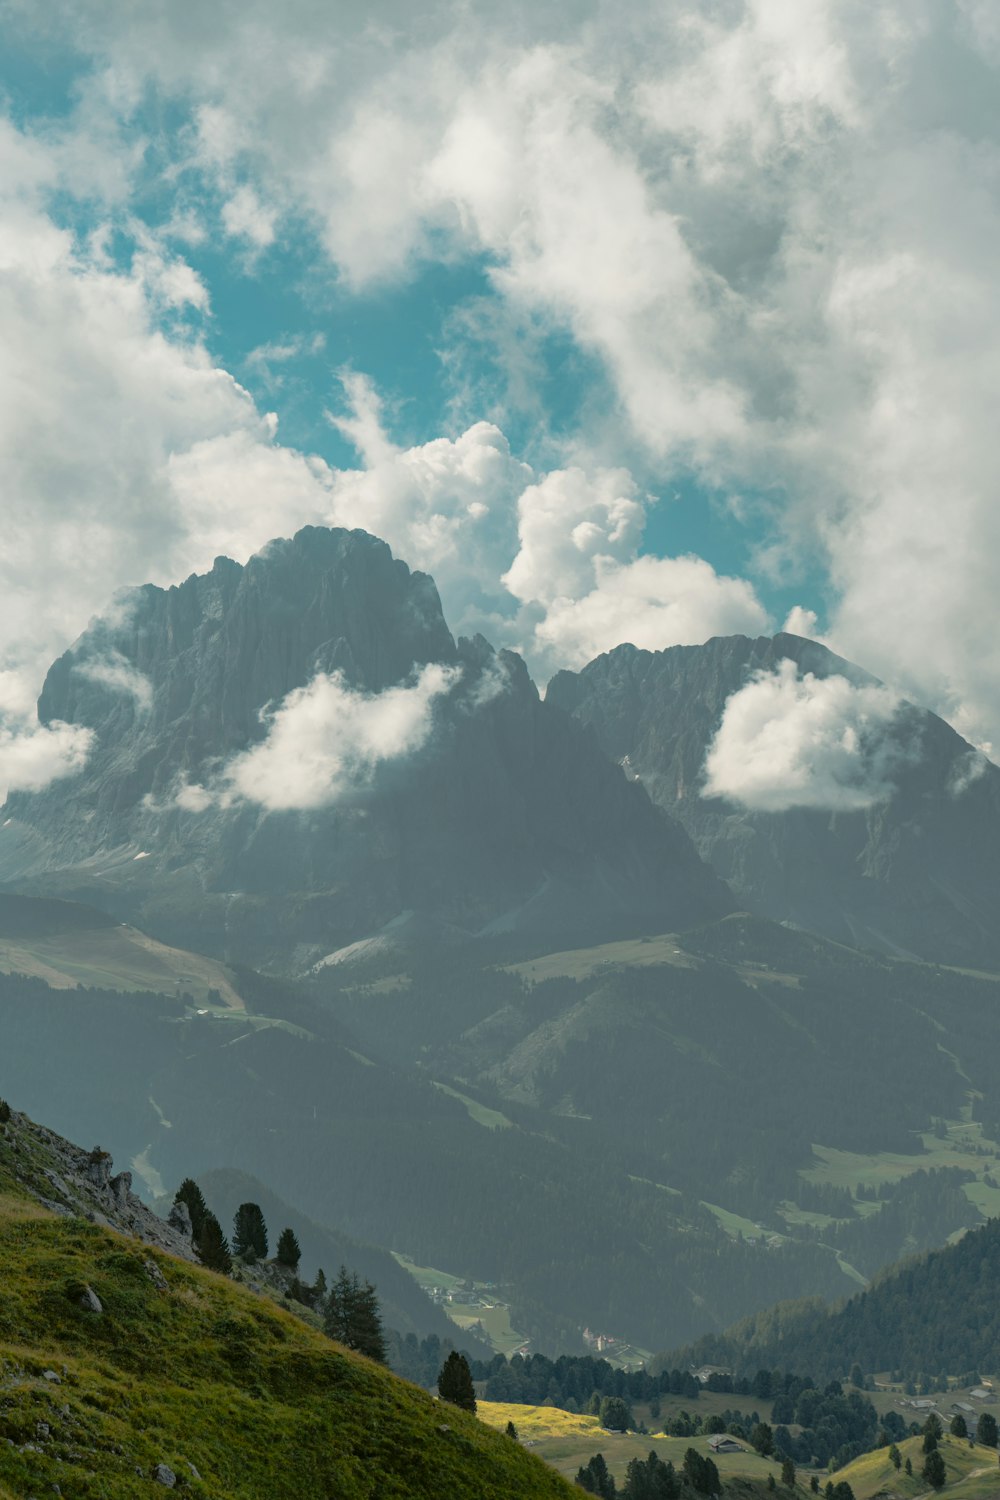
(503, 815)
(917, 872)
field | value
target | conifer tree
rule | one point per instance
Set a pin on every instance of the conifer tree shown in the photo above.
(986, 1430)
(212, 1246)
(455, 1382)
(511, 1431)
(249, 1233)
(934, 1469)
(353, 1316)
(289, 1252)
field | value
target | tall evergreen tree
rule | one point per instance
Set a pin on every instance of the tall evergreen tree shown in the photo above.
(249, 1233)
(455, 1382)
(353, 1316)
(934, 1469)
(986, 1430)
(212, 1245)
(289, 1251)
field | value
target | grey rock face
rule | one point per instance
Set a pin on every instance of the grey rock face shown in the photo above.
(90, 1301)
(71, 1181)
(179, 1219)
(164, 1475)
(917, 874)
(508, 817)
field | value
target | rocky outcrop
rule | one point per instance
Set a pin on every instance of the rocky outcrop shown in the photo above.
(915, 874)
(71, 1181)
(505, 818)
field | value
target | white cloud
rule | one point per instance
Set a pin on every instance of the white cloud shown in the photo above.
(33, 755)
(653, 602)
(773, 225)
(787, 741)
(115, 672)
(246, 217)
(325, 740)
(583, 584)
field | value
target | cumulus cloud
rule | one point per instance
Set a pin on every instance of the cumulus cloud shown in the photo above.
(579, 575)
(32, 756)
(787, 741)
(324, 740)
(116, 673)
(771, 224)
(653, 602)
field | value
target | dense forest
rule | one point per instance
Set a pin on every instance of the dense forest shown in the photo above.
(927, 1318)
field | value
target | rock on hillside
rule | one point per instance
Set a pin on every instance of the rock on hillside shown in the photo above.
(917, 874)
(503, 816)
(125, 1371)
(75, 1183)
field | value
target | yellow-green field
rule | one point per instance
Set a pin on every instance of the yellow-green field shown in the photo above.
(117, 958)
(567, 1441)
(481, 1306)
(972, 1473)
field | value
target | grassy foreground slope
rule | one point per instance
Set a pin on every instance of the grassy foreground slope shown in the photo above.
(185, 1369)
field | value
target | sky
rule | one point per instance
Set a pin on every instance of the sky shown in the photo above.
(642, 322)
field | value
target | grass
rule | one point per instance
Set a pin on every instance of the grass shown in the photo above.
(491, 1119)
(971, 1472)
(959, 1148)
(581, 963)
(567, 1442)
(117, 958)
(204, 1373)
(494, 1315)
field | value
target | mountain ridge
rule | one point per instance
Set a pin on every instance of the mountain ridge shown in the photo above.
(916, 873)
(501, 814)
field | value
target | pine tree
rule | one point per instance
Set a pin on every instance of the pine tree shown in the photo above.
(455, 1382)
(319, 1288)
(511, 1431)
(353, 1316)
(365, 1330)
(249, 1233)
(212, 1246)
(986, 1430)
(895, 1457)
(958, 1426)
(4, 1112)
(190, 1194)
(788, 1473)
(289, 1252)
(934, 1469)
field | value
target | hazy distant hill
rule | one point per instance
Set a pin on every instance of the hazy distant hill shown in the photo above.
(501, 813)
(916, 874)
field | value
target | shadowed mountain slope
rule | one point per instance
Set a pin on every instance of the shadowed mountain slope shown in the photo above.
(916, 873)
(502, 814)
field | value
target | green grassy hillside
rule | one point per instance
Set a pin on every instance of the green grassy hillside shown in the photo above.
(183, 1368)
(971, 1473)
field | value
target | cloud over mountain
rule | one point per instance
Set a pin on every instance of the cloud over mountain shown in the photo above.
(324, 740)
(787, 741)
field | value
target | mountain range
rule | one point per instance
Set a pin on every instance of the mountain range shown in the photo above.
(502, 815)
(915, 873)
(353, 911)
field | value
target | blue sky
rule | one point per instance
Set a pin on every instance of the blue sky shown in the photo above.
(640, 323)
